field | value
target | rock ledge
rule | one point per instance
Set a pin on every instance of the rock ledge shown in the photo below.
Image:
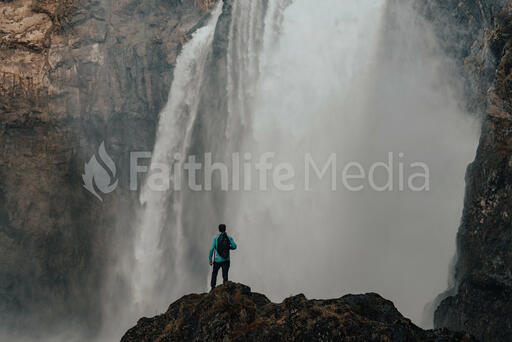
(232, 312)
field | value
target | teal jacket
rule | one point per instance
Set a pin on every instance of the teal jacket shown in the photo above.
(213, 247)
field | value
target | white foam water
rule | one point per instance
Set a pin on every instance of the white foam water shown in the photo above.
(161, 209)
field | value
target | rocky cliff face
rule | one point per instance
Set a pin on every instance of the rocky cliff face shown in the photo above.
(232, 312)
(478, 34)
(74, 73)
(77, 72)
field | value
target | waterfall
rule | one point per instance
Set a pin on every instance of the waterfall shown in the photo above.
(161, 208)
(360, 79)
(162, 268)
(308, 72)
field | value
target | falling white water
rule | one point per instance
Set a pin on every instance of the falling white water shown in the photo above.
(307, 74)
(338, 78)
(313, 77)
(161, 209)
(242, 60)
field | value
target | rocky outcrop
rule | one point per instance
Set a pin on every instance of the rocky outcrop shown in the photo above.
(232, 312)
(478, 34)
(75, 73)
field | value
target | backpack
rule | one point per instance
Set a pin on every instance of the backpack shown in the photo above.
(223, 245)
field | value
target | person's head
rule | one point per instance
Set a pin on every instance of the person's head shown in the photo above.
(222, 228)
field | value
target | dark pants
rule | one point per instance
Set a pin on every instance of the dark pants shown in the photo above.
(225, 269)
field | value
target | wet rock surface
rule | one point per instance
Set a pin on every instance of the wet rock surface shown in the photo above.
(74, 73)
(478, 35)
(231, 312)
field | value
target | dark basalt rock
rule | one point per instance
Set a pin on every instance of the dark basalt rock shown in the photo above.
(232, 312)
(478, 35)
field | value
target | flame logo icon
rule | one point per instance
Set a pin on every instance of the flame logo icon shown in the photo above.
(97, 176)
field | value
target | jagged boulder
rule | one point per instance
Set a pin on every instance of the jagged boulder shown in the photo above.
(232, 312)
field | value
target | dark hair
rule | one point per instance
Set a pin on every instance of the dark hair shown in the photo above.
(222, 228)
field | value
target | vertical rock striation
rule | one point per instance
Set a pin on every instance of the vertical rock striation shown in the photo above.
(74, 73)
(478, 34)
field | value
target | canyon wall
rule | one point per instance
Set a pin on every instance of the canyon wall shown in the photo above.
(75, 73)
(478, 35)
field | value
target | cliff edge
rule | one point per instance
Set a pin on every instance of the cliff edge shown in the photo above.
(232, 312)
(478, 35)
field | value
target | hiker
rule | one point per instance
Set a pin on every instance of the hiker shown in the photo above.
(221, 244)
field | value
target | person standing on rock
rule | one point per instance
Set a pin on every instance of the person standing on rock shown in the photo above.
(222, 243)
